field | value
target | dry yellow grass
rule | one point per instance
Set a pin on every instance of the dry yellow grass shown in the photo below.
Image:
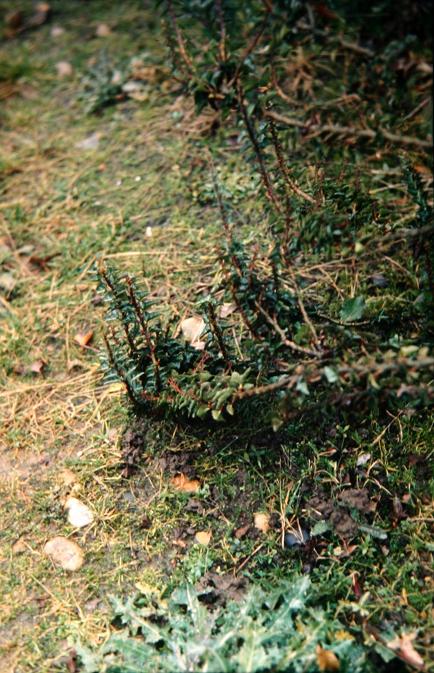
(77, 206)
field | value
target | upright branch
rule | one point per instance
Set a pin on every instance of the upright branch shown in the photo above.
(218, 333)
(221, 20)
(252, 44)
(116, 366)
(115, 295)
(290, 185)
(179, 38)
(266, 179)
(144, 328)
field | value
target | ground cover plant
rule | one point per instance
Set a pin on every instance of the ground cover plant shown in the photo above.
(264, 252)
(267, 285)
(276, 629)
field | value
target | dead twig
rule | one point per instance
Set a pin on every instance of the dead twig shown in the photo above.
(289, 183)
(252, 44)
(360, 370)
(336, 129)
(246, 560)
(179, 38)
(221, 19)
(262, 167)
(285, 341)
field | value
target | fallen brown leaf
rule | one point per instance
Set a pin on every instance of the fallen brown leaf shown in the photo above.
(262, 521)
(403, 645)
(191, 329)
(7, 282)
(241, 531)
(183, 483)
(38, 366)
(19, 547)
(83, 340)
(326, 659)
(203, 537)
(227, 309)
(65, 553)
(41, 15)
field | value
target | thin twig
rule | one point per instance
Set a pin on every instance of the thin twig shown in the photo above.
(360, 370)
(145, 331)
(379, 437)
(217, 333)
(262, 167)
(252, 44)
(357, 48)
(306, 318)
(369, 134)
(291, 185)
(284, 338)
(246, 560)
(125, 320)
(221, 19)
(118, 369)
(179, 38)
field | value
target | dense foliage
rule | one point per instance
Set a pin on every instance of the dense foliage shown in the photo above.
(295, 345)
(290, 335)
(276, 630)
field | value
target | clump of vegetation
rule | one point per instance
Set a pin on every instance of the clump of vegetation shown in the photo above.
(275, 630)
(293, 346)
(320, 304)
(291, 337)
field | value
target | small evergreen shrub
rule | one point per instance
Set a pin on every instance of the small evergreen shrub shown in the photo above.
(294, 347)
(292, 340)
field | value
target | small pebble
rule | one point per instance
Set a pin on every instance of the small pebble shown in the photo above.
(378, 280)
(296, 540)
(57, 31)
